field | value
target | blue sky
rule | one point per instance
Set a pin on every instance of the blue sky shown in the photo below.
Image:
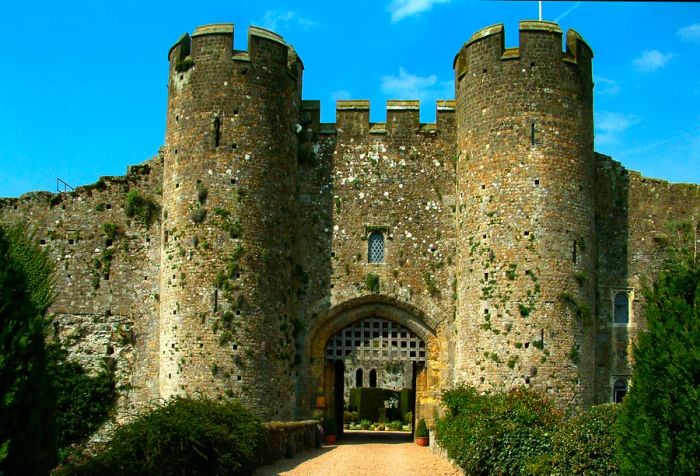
(83, 84)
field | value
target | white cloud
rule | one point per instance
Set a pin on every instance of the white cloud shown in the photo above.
(401, 9)
(411, 86)
(273, 19)
(609, 126)
(340, 94)
(651, 60)
(606, 87)
(690, 32)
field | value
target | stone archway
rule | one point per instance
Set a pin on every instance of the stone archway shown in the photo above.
(321, 376)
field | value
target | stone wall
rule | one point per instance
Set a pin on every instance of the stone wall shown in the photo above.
(286, 439)
(505, 237)
(396, 178)
(632, 217)
(107, 270)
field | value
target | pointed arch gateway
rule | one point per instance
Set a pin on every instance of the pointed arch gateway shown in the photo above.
(323, 378)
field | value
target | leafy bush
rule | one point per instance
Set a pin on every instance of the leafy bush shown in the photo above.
(365, 424)
(394, 425)
(83, 402)
(372, 283)
(422, 429)
(329, 427)
(500, 433)
(408, 418)
(659, 427)
(584, 444)
(140, 207)
(27, 444)
(198, 215)
(184, 64)
(184, 436)
(110, 230)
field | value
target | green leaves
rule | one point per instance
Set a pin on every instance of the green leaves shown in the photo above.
(659, 428)
(500, 433)
(26, 437)
(183, 436)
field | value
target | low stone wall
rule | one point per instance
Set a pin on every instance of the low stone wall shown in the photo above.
(286, 439)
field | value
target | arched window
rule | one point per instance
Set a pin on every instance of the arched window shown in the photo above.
(621, 314)
(358, 378)
(372, 378)
(619, 389)
(375, 247)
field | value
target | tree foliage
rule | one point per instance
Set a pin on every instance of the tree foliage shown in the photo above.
(183, 436)
(27, 444)
(585, 444)
(47, 402)
(658, 431)
(494, 434)
(83, 401)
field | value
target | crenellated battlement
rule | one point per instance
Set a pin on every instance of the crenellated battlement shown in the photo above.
(215, 42)
(540, 42)
(402, 117)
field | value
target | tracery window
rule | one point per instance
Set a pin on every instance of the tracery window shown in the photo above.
(373, 378)
(358, 378)
(375, 247)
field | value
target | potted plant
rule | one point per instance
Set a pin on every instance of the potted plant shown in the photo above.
(421, 433)
(329, 431)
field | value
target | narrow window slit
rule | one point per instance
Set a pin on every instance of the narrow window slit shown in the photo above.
(217, 131)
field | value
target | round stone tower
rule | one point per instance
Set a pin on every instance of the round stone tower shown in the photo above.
(228, 196)
(526, 212)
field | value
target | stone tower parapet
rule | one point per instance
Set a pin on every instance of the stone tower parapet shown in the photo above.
(526, 211)
(228, 216)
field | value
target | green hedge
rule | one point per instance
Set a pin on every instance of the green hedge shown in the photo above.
(521, 432)
(502, 433)
(368, 401)
(585, 444)
(184, 436)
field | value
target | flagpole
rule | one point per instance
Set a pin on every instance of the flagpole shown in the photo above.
(540, 5)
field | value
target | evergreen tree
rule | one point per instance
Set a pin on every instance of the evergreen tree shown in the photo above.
(658, 431)
(26, 401)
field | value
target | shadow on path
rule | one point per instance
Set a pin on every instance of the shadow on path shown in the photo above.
(365, 437)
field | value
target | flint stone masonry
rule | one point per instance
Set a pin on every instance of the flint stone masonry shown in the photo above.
(505, 235)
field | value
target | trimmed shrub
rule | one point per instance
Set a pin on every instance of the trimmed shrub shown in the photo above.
(184, 436)
(329, 427)
(494, 434)
(369, 401)
(422, 429)
(584, 444)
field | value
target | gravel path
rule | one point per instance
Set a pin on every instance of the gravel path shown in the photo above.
(365, 453)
